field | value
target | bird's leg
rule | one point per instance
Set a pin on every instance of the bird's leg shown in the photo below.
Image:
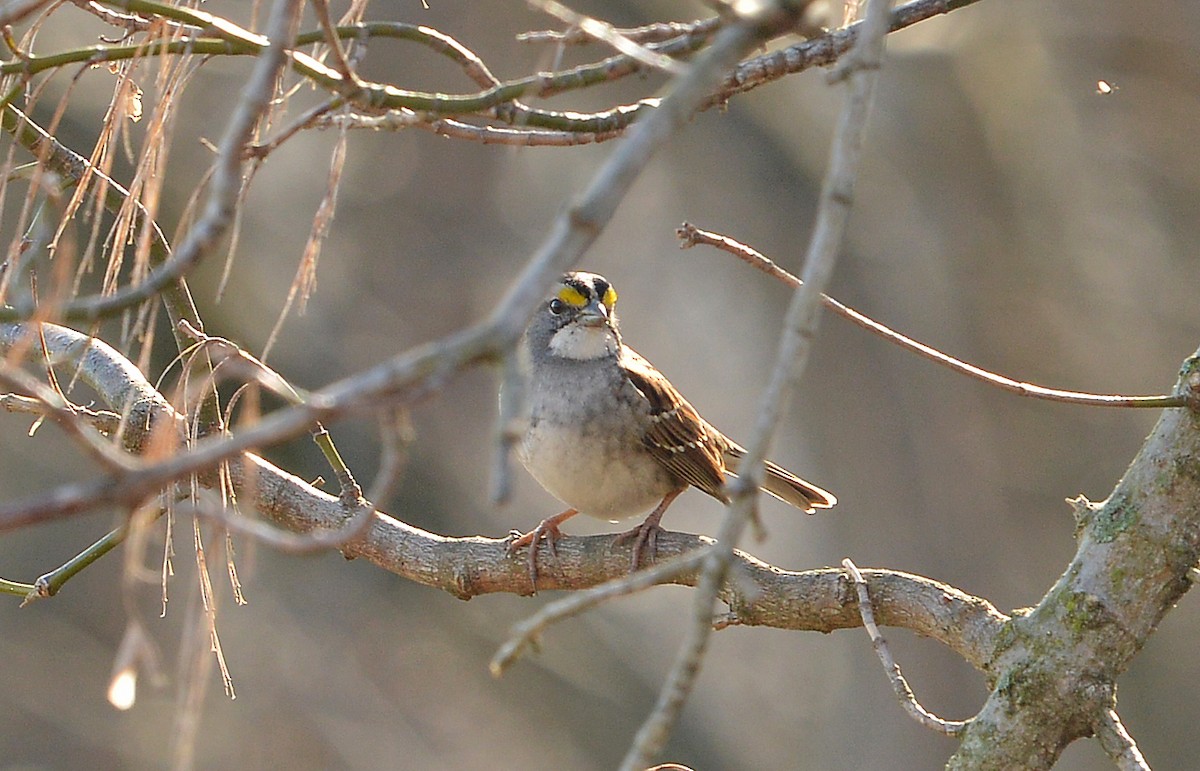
(646, 534)
(546, 530)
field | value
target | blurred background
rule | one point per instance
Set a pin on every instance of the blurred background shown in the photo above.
(1007, 213)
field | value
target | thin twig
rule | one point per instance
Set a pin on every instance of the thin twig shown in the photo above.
(607, 33)
(822, 51)
(284, 540)
(690, 235)
(899, 684)
(468, 567)
(508, 429)
(223, 351)
(104, 421)
(525, 634)
(51, 583)
(19, 9)
(799, 330)
(309, 118)
(650, 33)
(321, 9)
(395, 120)
(56, 407)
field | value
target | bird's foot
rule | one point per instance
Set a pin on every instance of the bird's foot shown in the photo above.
(644, 536)
(547, 531)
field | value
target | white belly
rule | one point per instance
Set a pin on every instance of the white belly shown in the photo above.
(580, 474)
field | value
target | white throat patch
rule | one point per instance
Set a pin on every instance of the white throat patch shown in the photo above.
(582, 343)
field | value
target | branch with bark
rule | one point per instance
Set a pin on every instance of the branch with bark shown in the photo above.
(1051, 669)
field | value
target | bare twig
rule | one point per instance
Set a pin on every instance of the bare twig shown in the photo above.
(824, 50)
(51, 583)
(799, 330)
(508, 428)
(690, 235)
(395, 120)
(321, 9)
(648, 34)
(899, 684)
(309, 118)
(62, 412)
(526, 633)
(466, 567)
(19, 9)
(605, 32)
(223, 351)
(104, 421)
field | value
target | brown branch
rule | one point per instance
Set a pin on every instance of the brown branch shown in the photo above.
(757, 594)
(799, 330)
(822, 51)
(657, 32)
(1054, 678)
(497, 97)
(689, 235)
(607, 33)
(104, 421)
(410, 375)
(899, 684)
(19, 9)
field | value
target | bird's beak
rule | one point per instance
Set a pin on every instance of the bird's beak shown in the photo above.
(594, 315)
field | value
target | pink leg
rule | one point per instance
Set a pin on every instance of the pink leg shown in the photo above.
(546, 530)
(646, 534)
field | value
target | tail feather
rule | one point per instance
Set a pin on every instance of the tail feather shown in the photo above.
(784, 485)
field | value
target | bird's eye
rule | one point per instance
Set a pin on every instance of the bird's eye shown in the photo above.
(557, 306)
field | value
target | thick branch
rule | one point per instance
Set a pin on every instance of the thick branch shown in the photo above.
(1057, 665)
(757, 594)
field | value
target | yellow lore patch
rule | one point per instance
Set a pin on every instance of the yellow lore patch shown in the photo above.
(610, 298)
(572, 296)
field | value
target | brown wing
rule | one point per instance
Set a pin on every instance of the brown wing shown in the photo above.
(783, 484)
(678, 437)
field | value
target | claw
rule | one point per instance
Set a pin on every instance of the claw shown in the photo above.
(646, 534)
(547, 531)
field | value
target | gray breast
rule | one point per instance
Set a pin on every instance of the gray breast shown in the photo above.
(583, 445)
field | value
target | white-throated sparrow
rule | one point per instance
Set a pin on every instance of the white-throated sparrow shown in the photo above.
(607, 433)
